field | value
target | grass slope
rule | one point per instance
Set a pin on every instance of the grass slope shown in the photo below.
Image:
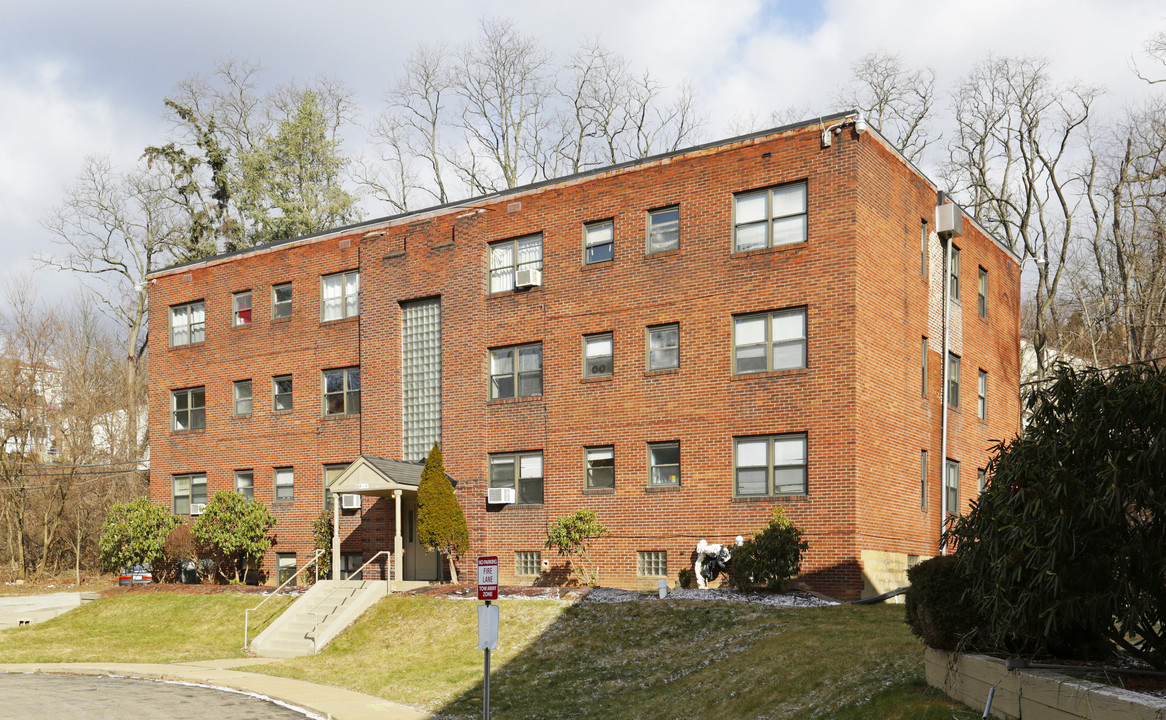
(646, 659)
(138, 627)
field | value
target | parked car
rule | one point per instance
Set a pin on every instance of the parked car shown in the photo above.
(139, 574)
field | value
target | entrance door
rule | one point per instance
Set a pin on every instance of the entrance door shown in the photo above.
(419, 564)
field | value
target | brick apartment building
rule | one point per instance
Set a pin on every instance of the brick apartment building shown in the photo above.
(679, 343)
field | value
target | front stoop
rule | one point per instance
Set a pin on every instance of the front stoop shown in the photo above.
(317, 617)
(1033, 693)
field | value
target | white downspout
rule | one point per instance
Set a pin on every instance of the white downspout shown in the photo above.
(943, 396)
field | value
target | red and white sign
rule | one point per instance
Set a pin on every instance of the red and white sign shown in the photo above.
(488, 577)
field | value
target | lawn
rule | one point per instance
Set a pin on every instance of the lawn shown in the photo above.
(647, 659)
(138, 627)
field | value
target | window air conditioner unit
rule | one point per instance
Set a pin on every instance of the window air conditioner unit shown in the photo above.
(528, 277)
(500, 496)
(197, 508)
(350, 501)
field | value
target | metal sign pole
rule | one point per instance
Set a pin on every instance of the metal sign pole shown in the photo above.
(486, 684)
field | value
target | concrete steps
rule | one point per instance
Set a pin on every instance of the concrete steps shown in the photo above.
(317, 617)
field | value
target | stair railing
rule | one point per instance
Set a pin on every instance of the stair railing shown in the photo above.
(318, 617)
(247, 615)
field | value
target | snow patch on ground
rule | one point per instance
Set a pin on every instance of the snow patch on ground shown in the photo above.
(794, 598)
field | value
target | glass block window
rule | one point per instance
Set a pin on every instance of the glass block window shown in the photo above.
(187, 324)
(241, 308)
(773, 465)
(242, 395)
(188, 490)
(340, 295)
(664, 463)
(652, 563)
(528, 562)
(770, 218)
(600, 463)
(524, 470)
(281, 301)
(245, 483)
(510, 255)
(664, 229)
(597, 355)
(281, 393)
(664, 347)
(598, 242)
(284, 484)
(421, 377)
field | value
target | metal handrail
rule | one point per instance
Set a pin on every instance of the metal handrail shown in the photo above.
(388, 589)
(247, 614)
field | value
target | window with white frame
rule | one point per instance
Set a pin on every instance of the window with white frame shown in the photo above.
(285, 484)
(241, 308)
(771, 465)
(663, 463)
(242, 394)
(953, 380)
(516, 371)
(598, 242)
(245, 483)
(652, 563)
(187, 323)
(599, 463)
(982, 396)
(664, 347)
(509, 256)
(521, 471)
(281, 301)
(188, 490)
(664, 229)
(285, 564)
(341, 391)
(597, 355)
(770, 217)
(528, 562)
(340, 295)
(188, 409)
(952, 486)
(769, 341)
(281, 393)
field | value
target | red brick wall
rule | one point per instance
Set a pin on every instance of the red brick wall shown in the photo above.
(857, 401)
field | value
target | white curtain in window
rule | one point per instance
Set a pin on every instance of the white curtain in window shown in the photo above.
(530, 251)
(531, 466)
(333, 291)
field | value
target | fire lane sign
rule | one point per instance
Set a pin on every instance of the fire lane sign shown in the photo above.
(488, 577)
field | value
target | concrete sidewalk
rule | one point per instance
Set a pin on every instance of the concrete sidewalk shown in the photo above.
(323, 700)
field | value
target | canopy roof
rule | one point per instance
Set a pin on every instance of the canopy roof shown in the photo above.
(377, 476)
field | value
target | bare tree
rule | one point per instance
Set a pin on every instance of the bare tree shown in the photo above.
(895, 100)
(1155, 49)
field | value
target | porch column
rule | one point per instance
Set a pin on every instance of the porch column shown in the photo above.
(336, 537)
(398, 542)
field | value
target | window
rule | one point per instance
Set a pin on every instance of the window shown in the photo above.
(242, 392)
(923, 480)
(528, 562)
(664, 347)
(773, 465)
(924, 378)
(652, 563)
(923, 250)
(509, 256)
(187, 324)
(953, 380)
(342, 391)
(664, 463)
(981, 480)
(241, 308)
(331, 472)
(285, 564)
(188, 490)
(597, 355)
(952, 487)
(529, 481)
(982, 397)
(340, 295)
(281, 393)
(664, 229)
(281, 301)
(769, 341)
(187, 409)
(285, 484)
(245, 483)
(350, 564)
(600, 464)
(516, 371)
(770, 218)
(598, 242)
(983, 294)
(955, 273)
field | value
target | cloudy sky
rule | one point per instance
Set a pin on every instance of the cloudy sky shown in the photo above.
(83, 78)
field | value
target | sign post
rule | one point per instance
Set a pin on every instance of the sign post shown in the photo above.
(487, 620)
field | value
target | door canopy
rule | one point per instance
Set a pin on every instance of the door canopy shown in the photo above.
(377, 476)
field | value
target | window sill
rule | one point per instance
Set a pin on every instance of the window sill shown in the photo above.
(661, 254)
(767, 250)
(652, 489)
(283, 412)
(519, 507)
(661, 372)
(241, 417)
(598, 265)
(194, 431)
(278, 320)
(282, 505)
(511, 401)
(598, 491)
(188, 345)
(769, 374)
(597, 379)
(800, 498)
(511, 292)
(331, 418)
(340, 321)
(244, 326)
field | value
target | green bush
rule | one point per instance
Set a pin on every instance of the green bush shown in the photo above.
(572, 534)
(135, 532)
(770, 557)
(235, 530)
(1065, 552)
(935, 608)
(441, 523)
